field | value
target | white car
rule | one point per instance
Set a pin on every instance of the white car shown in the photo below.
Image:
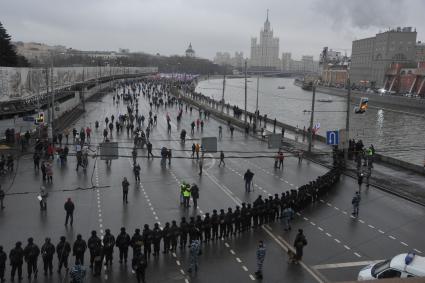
(400, 266)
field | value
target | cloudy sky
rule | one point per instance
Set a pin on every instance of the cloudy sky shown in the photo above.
(167, 26)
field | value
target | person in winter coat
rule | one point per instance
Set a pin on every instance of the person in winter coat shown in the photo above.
(123, 242)
(31, 253)
(299, 244)
(63, 250)
(16, 257)
(79, 248)
(47, 253)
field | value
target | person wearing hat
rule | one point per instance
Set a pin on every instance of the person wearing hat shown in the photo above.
(108, 244)
(16, 257)
(47, 252)
(31, 253)
(79, 248)
(93, 242)
(136, 242)
(63, 249)
(123, 242)
(299, 244)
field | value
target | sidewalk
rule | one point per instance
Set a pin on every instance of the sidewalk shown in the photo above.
(392, 179)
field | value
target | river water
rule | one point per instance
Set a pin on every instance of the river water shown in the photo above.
(395, 134)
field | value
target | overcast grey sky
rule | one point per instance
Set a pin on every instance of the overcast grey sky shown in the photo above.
(167, 26)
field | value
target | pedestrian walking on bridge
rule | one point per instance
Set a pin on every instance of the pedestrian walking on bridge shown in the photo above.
(69, 209)
(221, 159)
(356, 203)
(299, 244)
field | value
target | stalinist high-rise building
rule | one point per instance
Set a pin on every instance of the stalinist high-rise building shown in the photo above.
(265, 55)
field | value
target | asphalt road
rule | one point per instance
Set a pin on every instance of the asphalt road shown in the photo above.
(387, 225)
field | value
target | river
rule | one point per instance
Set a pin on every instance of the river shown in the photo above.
(397, 134)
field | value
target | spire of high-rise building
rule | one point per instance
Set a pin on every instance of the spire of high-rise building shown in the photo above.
(267, 23)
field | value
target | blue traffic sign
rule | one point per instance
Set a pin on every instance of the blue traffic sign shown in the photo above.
(28, 118)
(332, 137)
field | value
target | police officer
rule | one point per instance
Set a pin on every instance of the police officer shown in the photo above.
(174, 231)
(229, 222)
(139, 265)
(16, 257)
(237, 218)
(136, 242)
(167, 238)
(78, 249)
(93, 243)
(156, 236)
(62, 250)
(123, 242)
(98, 259)
(47, 252)
(31, 253)
(206, 227)
(184, 229)
(3, 259)
(108, 246)
(214, 224)
(222, 222)
(192, 229)
(147, 240)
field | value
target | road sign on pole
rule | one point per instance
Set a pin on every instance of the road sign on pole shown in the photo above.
(332, 137)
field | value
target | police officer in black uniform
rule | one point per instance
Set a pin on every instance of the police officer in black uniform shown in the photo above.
(108, 246)
(184, 230)
(79, 248)
(214, 224)
(47, 253)
(147, 240)
(31, 253)
(174, 231)
(156, 238)
(123, 242)
(93, 243)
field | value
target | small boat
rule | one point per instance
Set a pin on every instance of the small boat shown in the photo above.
(281, 87)
(329, 99)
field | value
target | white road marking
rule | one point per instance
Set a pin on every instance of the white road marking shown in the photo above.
(305, 218)
(361, 221)
(232, 252)
(328, 204)
(252, 277)
(344, 264)
(338, 241)
(380, 231)
(320, 228)
(238, 260)
(329, 235)
(345, 212)
(347, 247)
(226, 244)
(418, 251)
(391, 237)
(404, 244)
(312, 223)
(186, 280)
(357, 255)
(244, 268)
(371, 226)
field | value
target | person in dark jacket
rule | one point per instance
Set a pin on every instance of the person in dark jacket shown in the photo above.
(31, 253)
(63, 249)
(125, 185)
(93, 243)
(156, 238)
(174, 231)
(79, 248)
(147, 240)
(47, 253)
(299, 243)
(69, 208)
(108, 246)
(98, 259)
(248, 180)
(139, 265)
(3, 259)
(123, 242)
(194, 192)
(136, 242)
(16, 257)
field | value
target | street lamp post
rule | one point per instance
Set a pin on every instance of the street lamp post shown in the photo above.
(246, 90)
